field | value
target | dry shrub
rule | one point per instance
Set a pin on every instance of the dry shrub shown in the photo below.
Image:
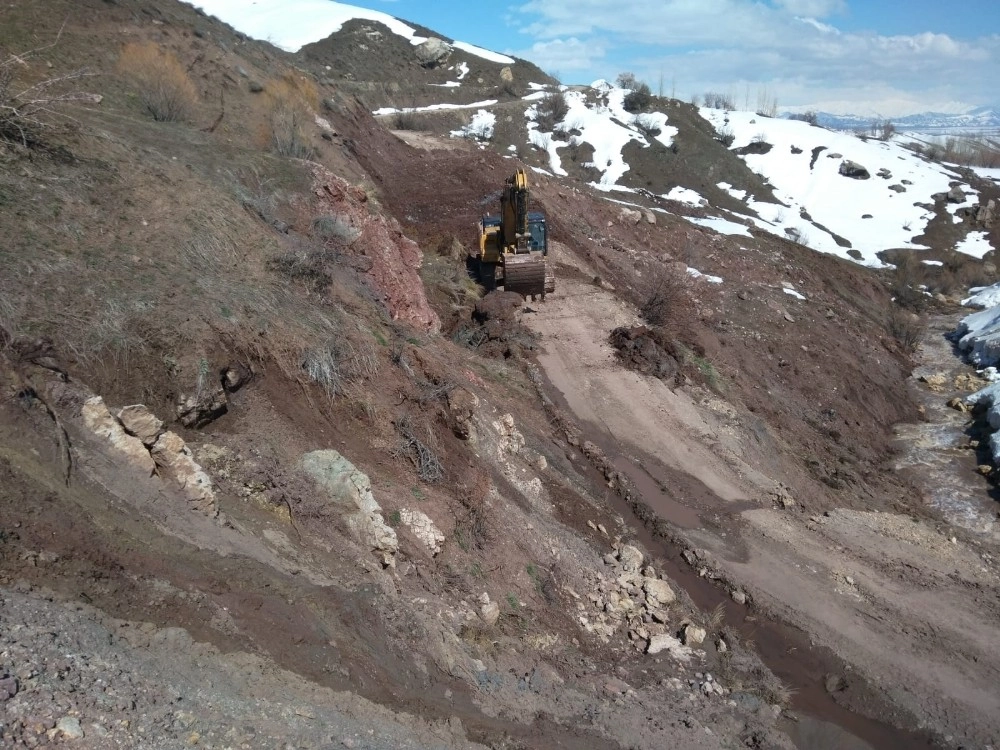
(906, 281)
(666, 302)
(475, 526)
(164, 87)
(291, 102)
(907, 328)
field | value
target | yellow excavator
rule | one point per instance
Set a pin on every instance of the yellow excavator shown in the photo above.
(513, 246)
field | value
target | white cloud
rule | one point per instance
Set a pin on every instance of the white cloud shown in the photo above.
(563, 55)
(725, 45)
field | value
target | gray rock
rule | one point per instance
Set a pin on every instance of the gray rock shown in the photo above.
(692, 635)
(199, 409)
(8, 688)
(630, 558)
(658, 592)
(738, 596)
(69, 727)
(853, 170)
(433, 52)
(956, 195)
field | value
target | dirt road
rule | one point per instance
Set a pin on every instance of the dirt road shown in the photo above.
(910, 605)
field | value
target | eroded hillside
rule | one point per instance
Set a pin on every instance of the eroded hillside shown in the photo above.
(396, 513)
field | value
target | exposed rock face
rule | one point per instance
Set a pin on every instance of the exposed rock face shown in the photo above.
(198, 409)
(423, 528)
(102, 423)
(351, 489)
(853, 170)
(141, 422)
(175, 460)
(395, 260)
(433, 52)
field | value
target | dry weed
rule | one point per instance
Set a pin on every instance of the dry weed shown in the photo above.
(164, 87)
(291, 101)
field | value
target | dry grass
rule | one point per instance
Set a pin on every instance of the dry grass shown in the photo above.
(164, 87)
(291, 101)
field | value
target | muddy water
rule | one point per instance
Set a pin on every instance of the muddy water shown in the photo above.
(934, 451)
(817, 721)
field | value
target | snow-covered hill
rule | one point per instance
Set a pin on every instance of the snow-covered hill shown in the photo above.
(974, 120)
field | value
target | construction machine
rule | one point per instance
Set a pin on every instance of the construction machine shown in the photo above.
(514, 245)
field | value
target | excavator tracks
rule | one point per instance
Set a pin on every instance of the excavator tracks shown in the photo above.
(525, 274)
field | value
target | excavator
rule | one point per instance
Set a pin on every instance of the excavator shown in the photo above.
(514, 245)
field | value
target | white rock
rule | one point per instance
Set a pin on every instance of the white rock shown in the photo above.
(490, 612)
(693, 635)
(658, 591)
(102, 423)
(665, 642)
(423, 528)
(176, 461)
(630, 558)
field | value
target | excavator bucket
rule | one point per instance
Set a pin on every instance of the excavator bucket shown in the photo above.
(524, 273)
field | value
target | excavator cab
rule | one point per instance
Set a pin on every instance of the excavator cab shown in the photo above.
(513, 246)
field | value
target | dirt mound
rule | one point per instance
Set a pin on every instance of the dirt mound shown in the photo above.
(640, 349)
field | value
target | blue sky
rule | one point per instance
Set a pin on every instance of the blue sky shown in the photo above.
(886, 57)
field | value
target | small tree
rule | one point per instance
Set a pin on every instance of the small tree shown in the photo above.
(164, 87)
(627, 80)
(811, 117)
(715, 100)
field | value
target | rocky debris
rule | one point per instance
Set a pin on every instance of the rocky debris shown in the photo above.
(665, 642)
(433, 52)
(199, 409)
(510, 440)
(139, 421)
(395, 259)
(639, 349)
(174, 459)
(69, 727)
(8, 688)
(853, 170)
(489, 610)
(423, 529)
(782, 496)
(235, 376)
(351, 490)
(692, 635)
(462, 407)
(103, 423)
(958, 403)
(936, 382)
(629, 216)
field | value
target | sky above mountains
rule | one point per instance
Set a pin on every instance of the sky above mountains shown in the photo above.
(871, 57)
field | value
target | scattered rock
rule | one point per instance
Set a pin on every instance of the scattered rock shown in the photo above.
(693, 635)
(423, 528)
(69, 727)
(959, 404)
(897, 188)
(351, 489)
(175, 460)
(201, 408)
(462, 406)
(853, 170)
(142, 423)
(738, 596)
(630, 558)
(936, 382)
(102, 423)
(658, 591)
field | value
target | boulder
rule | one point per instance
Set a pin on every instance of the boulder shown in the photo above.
(462, 407)
(489, 611)
(897, 188)
(174, 460)
(629, 216)
(103, 423)
(432, 52)
(665, 642)
(423, 529)
(658, 592)
(956, 195)
(506, 75)
(693, 635)
(986, 214)
(351, 490)
(853, 170)
(649, 217)
(630, 558)
(142, 423)
(198, 409)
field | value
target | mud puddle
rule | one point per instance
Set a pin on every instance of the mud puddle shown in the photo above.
(936, 452)
(816, 720)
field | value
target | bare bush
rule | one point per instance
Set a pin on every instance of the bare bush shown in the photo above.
(767, 103)
(428, 466)
(907, 328)
(475, 526)
(811, 117)
(29, 109)
(714, 100)
(905, 283)
(551, 110)
(291, 102)
(666, 302)
(410, 119)
(639, 98)
(726, 136)
(164, 87)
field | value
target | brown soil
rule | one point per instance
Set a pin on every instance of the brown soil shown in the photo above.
(149, 258)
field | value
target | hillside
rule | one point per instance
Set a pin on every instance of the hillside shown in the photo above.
(274, 471)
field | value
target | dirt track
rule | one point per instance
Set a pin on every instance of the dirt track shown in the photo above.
(911, 610)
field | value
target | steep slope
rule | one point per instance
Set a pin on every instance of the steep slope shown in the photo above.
(461, 513)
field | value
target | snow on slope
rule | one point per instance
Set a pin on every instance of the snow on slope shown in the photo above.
(605, 125)
(292, 24)
(837, 202)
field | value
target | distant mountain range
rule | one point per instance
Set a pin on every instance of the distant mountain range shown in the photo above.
(980, 119)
